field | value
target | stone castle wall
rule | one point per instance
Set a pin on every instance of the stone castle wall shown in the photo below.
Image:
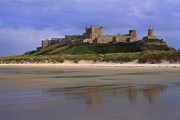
(92, 35)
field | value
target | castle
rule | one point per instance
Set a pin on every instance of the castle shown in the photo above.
(96, 35)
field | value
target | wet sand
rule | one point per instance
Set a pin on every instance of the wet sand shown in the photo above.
(47, 75)
(34, 92)
(84, 63)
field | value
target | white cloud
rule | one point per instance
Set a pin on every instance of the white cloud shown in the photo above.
(26, 35)
(18, 41)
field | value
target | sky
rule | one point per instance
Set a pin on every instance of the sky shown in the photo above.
(25, 23)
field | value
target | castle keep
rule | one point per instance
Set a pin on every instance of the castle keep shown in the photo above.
(91, 35)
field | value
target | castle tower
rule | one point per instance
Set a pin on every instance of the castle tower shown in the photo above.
(132, 33)
(150, 32)
(151, 35)
(45, 43)
(101, 31)
(92, 27)
(94, 32)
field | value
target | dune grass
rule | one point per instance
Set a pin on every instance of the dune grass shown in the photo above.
(142, 57)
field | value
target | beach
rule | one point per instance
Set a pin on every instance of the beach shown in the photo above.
(89, 91)
(84, 63)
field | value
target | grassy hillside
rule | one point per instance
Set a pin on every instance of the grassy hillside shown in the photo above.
(75, 49)
(120, 52)
(151, 57)
(78, 49)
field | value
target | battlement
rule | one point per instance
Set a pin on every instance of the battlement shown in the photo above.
(94, 32)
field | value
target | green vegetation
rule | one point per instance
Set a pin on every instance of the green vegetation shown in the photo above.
(142, 57)
(120, 52)
(78, 49)
(158, 56)
(75, 49)
(121, 57)
(150, 40)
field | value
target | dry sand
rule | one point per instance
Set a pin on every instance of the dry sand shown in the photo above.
(91, 64)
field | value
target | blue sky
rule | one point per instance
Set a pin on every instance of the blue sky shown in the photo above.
(24, 23)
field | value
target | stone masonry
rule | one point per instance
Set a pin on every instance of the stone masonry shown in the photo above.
(151, 39)
(151, 35)
(91, 35)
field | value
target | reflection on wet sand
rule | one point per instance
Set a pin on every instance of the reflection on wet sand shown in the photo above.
(95, 96)
(32, 72)
(151, 92)
(132, 92)
(89, 93)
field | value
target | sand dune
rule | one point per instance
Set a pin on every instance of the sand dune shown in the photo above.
(92, 64)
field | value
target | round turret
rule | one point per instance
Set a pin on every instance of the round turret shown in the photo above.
(150, 32)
